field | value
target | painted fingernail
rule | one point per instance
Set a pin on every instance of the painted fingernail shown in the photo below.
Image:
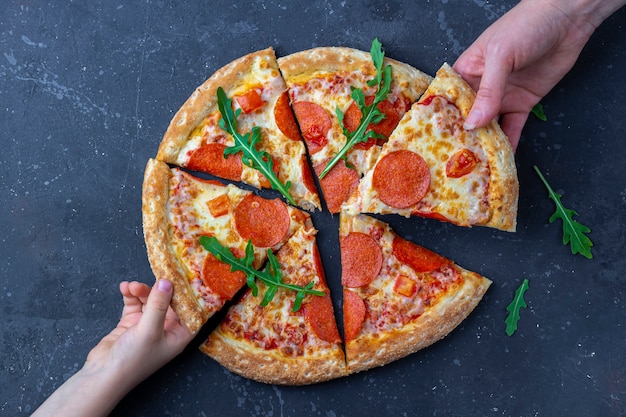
(472, 120)
(164, 285)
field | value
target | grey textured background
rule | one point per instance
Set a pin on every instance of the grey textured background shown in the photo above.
(87, 90)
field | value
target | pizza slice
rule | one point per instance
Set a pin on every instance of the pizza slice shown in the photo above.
(274, 344)
(320, 81)
(195, 139)
(179, 208)
(398, 297)
(432, 167)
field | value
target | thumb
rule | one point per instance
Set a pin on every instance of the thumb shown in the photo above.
(490, 92)
(156, 306)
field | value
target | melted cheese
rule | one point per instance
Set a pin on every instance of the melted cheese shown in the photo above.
(275, 326)
(435, 133)
(386, 308)
(286, 153)
(331, 92)
(190, 218)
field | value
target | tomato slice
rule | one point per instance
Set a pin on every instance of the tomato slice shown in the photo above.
(461, 163)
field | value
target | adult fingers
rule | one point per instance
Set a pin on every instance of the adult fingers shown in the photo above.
(156, 306)
(491, 89)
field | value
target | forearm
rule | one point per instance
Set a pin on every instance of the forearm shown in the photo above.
(88, 393)
(587, 14)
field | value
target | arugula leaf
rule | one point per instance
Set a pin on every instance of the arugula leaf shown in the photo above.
(369, 114)
(246, 144)
(271, 275)
(514, 307)
(573, 232)
(537, 110)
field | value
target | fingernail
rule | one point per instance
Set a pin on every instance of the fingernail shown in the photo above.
(472, 120)
(164, 285)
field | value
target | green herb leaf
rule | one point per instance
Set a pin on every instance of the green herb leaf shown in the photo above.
(369, 114)
(573, 232)
(514, 307)
(246, 144)
(271, 275)
(537, 110)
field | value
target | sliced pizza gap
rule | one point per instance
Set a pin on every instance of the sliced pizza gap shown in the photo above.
(179, 208)
(432, 167)
(195, 139)
(398, 297)
(321, 80)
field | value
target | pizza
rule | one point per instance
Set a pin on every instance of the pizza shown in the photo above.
(217, 239)
(320, 80)
(432, 167)
(398, 297)
(179, 208)
(274, 344)
(195, 139)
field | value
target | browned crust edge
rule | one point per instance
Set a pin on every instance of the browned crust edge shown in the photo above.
(270, 367)
(202, 102)
(335, 59)
(504, 185)
(161, 254)
(324, 60)
(370, 351)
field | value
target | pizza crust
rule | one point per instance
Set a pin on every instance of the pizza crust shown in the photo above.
(203, 102)
(269, 366)
(504, 186)
(161, 254)
(382, 348)
(301, 66)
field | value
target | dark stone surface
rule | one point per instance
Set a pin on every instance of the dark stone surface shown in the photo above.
(87, 92)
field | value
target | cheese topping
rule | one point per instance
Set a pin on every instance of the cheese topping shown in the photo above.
(435, 132)
(264, 78)
(275, 326)
(387, 308)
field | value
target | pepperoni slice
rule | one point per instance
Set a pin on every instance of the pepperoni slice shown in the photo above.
(431, 215)
(307, 175)
(218, 277)
(417, 257)
(338, 185)
(209, 158)
(353, 314)
(314, 124)
(250, 101)
(264, 222)
(319, 314)
(285, 120)
(402, 179)
(353, 115)
(461, 163)
(361, 259)
(389, 123)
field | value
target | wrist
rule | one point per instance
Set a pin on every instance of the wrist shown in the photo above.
(111, 380)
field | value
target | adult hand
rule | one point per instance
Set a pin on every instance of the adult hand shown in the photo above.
(518, 59)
